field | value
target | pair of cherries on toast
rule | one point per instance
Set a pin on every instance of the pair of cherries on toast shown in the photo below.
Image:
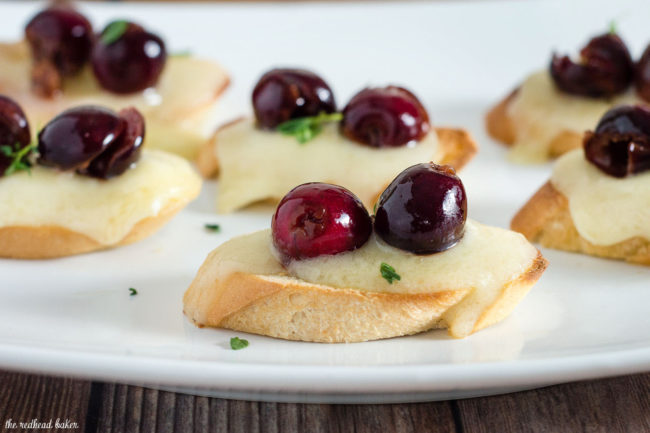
(93, 141)
(422, 211)
(125, 58)
(378, 117)
(605, 69)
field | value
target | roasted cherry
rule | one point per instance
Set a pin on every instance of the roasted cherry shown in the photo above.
(127, 59)
(642, 75)
(620, 145)
(124, 152)
(605, 68)
(61, 35)
(61, 40)
(423, 210)
(93, 141)
(385, 117)
(14, 132)
(284, 94)
(76, 136)
(317, 219)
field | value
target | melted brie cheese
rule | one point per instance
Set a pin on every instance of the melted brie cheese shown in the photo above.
(605, 210)
(540, 112)
(257, 165)
(104, 210)
(485, 260)
(177, 110)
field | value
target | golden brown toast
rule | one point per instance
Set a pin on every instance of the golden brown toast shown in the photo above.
(278, 305)
(546, 219)
(53, 241)
(500, 126)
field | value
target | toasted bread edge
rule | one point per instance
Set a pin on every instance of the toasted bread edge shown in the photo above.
(546, 219)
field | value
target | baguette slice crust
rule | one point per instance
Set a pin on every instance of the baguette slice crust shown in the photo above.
(47, 242)
(501, 127)
(546, 219)
(457, 148)
(281, 306)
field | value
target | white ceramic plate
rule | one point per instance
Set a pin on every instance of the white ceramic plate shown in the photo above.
(586, 318)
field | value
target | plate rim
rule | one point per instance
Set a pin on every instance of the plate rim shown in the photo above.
(324, 379)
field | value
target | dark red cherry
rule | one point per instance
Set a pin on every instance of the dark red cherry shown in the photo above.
(284, 94)
(61, 40)
(642, 75)
(76, 136)
(124, 151)
(423, 210)
(129, 62)
(316, 219)
(620, 145)
(14, 132)
(605, 68)
(62, 36)
(385, 117)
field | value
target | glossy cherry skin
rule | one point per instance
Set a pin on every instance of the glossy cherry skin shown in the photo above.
(284, 94)
(605, 69)
(123, 152)
(423, 210)
(62, 36)
(316, 219)
(130, 64)
(14, 130)
(642, 75)
(76, 136)
(620, 145)
(385, 117)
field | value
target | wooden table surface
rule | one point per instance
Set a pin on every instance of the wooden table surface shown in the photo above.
(608, 405)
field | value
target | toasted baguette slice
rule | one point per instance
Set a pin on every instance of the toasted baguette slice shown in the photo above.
(178, 111)
(47, 242)
(49, 214)
(457, 148)
(500, 126)
(546, 219)
(265, 300)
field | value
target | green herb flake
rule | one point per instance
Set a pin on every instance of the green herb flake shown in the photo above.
(19, 157)
(237, 343)
(6, 150)
(213, 227)
(306, 128)
(114, 31)
(374, 209)
(182, 53)
(612, 27)
(132, 291)
(388, 273)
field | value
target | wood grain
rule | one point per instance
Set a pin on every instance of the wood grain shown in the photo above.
(25, 397)
(607, 405)
(134, 409)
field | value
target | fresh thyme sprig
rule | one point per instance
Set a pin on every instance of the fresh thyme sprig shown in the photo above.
(612, 27)
(306, 128)
(181, 53)
(19, 157)
(114, 31)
